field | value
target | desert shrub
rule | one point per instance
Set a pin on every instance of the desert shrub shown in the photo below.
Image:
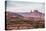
(36, 24)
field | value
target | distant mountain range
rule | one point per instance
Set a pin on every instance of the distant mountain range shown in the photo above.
(26, 15)
(35, 14)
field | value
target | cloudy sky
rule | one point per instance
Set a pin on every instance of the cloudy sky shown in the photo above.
(20, 6)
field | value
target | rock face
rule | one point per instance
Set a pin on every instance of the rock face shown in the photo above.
(35, 14)
(28, 21)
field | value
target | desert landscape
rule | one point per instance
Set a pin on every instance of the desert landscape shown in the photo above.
(27, 20)
(20, 15)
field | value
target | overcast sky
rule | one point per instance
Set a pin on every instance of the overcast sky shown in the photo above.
(19, 6)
